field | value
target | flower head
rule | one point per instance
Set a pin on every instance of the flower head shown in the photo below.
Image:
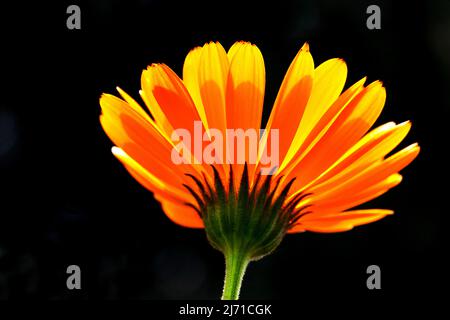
(315, 161)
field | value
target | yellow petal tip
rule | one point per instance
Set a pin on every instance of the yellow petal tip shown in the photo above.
(305, 47)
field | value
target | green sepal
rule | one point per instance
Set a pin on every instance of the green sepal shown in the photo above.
(251, 221)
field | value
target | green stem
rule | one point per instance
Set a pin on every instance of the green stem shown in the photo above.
(235, 265)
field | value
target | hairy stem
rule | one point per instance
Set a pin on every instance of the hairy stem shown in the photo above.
(235, 265)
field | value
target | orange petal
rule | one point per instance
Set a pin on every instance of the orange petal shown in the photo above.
(325, 122)
(168, 99)
(149, 180)
(173, 203)
(127, 124)
(191, 81)
(351, 124)
(291, 101)
(245, 88)
(245, 95)
(140, 138)
(180, 213)
(340, 221)
(213, 69)
(329, 80)
(351, 200)
(372, 147)
(372, 175)
(134, 105)
(205, 73)
(173, 200)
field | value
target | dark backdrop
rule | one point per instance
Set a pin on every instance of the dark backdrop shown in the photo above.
(66, 200)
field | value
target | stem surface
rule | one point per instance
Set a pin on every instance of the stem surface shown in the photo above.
(235, 265)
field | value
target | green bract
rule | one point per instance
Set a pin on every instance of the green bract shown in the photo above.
(247, 224)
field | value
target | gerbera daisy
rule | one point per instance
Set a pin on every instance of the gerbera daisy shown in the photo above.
(328, 161)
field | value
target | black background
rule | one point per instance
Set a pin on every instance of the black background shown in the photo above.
(66, 200)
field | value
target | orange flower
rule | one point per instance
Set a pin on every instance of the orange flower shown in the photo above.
(329, 161)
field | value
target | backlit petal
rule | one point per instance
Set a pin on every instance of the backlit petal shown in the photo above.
(329, 80)
(291, 101)
(168, 99)
(212, 83)
(351, 124)
(245, 88)
(341, 221)
(371, 175)
(180, 213)
(191, 81)
(351, 200)
(140, 138)
(244, 100)
(372, 147)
